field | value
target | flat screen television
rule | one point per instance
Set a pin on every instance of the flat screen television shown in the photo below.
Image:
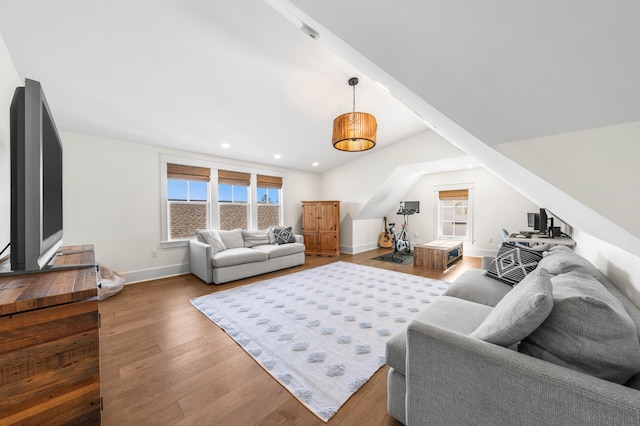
(36, 180)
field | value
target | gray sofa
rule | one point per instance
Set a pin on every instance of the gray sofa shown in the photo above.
(222, 256)
(559, 348)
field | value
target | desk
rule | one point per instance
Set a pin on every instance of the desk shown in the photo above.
(542, 239)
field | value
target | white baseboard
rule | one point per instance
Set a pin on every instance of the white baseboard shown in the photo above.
(133, 277)
(359, 249)
(479, 252)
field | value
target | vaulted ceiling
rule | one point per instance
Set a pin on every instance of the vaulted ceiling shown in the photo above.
(195, 74)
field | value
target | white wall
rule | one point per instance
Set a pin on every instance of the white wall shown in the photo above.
(495, 206)
(112, 200)
(8, 83)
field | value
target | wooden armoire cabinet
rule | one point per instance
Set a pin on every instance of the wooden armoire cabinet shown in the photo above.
(321, 227)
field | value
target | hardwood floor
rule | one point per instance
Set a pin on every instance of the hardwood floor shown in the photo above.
(164, 363)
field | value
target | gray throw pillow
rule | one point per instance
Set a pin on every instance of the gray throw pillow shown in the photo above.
(513, 263)
(272, 235)
(211, 237)
(588, 330)
(284, 236)
(519, 312)
(232, 239)
(561, 259)
(255, 238)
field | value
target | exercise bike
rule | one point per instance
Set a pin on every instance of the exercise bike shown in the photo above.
(401, 242)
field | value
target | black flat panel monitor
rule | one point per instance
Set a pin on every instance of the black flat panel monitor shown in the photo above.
(533, 221)
(36, 180)
(543, 221)
(409, 207)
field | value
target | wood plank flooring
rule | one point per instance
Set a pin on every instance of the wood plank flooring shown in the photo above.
(164, 363)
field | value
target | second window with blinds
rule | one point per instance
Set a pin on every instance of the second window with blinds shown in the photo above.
(453, 214)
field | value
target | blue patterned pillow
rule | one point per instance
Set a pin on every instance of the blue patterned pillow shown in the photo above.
(284, 236)
(513, 263)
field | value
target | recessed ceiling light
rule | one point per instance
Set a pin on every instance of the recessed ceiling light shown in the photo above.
(277, 156)
(225, 145)
(315, 164)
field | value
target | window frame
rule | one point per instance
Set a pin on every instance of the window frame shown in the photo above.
(213, 209)
(439, 220)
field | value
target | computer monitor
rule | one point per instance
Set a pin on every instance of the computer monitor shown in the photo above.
(409, 207)
(543, 221)
(533, 221)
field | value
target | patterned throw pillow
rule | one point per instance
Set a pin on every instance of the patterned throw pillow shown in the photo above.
(211, 237)
(284, 236)
(513, 263)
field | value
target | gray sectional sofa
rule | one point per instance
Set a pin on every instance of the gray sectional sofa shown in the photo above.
(561, 347)
(222, 256)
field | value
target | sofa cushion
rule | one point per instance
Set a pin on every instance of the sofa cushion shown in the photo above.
(473, 285)
(232, 239)
(561, 259)
(237, 256)
(255, 238)
(274, 251)
(519, 312)
(211, 237)
(450, 313)
(513, 263)
(588, 330)
(284, 236)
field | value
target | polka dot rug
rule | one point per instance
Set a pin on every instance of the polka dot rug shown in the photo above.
(321, 332)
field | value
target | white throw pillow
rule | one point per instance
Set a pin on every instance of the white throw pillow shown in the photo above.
(232, 239)
(211, 237)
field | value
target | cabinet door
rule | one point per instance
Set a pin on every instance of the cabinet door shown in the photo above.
(328, 217)
(309, 218)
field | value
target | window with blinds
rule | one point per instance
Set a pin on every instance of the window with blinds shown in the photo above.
(245, 200)
(453, 213)
(187, 199)
(269, 189)
(233, 199)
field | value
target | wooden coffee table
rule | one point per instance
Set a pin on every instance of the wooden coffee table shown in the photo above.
(437, 254)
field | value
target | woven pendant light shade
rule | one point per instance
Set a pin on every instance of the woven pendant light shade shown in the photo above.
(354, 131)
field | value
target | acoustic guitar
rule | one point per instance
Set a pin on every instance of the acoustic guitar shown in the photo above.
(385, 237)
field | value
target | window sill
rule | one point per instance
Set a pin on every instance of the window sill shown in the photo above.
(174, 243)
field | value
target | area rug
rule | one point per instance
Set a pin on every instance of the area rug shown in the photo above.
(321, 332)
(400, 259)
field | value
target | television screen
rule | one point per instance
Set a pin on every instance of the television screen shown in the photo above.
(36, 180)
(51, 177)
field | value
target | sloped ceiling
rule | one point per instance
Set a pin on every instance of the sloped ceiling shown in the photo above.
(194, 74)
(503, 70)
(498, 72)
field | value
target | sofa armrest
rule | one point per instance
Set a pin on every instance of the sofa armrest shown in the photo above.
(454, 379)
(200, 258)
(299, 238)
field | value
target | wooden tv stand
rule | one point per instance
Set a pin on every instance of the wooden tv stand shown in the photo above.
(49, 343)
